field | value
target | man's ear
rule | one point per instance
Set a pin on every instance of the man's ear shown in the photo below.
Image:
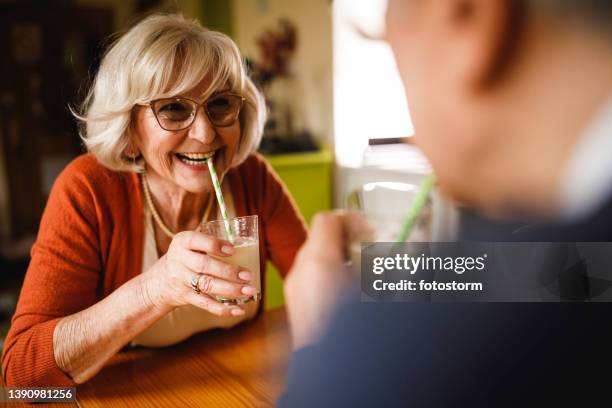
(482, 35)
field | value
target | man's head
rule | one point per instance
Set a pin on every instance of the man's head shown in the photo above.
(500, 91)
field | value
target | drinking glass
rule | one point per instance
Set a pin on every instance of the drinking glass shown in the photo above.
(385, 206)
(245, 238)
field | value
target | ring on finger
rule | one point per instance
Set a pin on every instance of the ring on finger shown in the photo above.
(195, 284)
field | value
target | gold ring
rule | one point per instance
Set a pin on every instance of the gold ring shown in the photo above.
(195, 284)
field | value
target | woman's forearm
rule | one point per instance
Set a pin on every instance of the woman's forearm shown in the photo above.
(84, 341)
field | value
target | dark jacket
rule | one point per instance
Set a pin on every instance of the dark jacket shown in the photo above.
(463, 354)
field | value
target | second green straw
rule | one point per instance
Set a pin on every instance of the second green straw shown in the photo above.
(416, 207)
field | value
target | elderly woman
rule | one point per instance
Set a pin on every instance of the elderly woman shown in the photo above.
(117, 253)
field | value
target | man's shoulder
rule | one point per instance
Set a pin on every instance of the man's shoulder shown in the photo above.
(596, 226)
(593, 227)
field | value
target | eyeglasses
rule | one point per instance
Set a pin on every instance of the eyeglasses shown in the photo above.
(175, 114)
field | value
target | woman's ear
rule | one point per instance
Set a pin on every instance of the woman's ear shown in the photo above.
(482, 38)
(132, 151)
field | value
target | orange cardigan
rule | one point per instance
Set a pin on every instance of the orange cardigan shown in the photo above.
(90, 242)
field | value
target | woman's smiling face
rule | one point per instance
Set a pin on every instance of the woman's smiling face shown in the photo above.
(166, 153)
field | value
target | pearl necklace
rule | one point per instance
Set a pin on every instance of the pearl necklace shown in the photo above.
(156, 216)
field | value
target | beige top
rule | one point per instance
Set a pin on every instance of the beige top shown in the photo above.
(184, 321)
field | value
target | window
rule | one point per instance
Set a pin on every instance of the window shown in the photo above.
(369, 100)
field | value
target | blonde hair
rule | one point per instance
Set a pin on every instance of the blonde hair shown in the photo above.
(163, 56)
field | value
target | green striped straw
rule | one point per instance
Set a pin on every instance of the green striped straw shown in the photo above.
(417, 206)
(215, 181)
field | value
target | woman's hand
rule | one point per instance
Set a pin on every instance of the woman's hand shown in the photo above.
(189, 256)
(84, 341)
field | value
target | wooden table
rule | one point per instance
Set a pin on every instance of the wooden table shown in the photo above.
(244, 366)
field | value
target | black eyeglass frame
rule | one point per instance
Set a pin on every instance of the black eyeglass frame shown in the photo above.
(195, 112)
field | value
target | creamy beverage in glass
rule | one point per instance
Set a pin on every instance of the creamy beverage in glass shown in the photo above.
(245, 238)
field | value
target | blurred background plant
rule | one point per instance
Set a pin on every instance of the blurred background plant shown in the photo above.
(272, 73)
(277, 47)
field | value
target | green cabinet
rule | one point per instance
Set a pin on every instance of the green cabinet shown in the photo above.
(308, 176)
